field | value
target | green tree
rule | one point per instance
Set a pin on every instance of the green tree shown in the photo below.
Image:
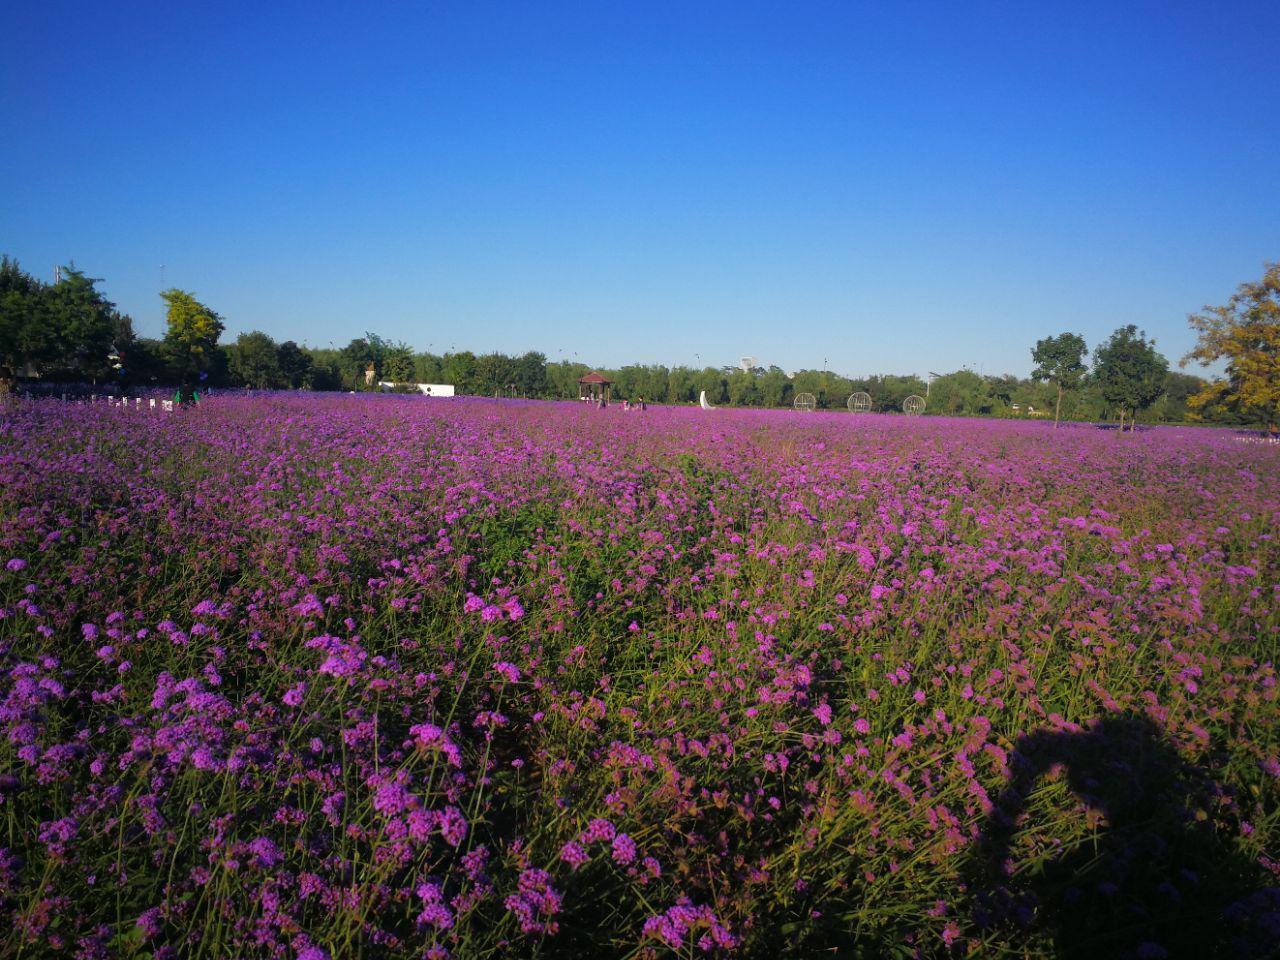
(890, 390)
(397, 363)
(294, 364)
(775, 388)
(1179, 389)
(427, 369)
(680, 385)
(83, 323)
(562, 378)
(494, 374)
(460, 371)
(353, 360)
(65, 329)
(531, 374)
(839, 390)
(742, 388)
(811, 381)
(1130, 374)
(1060, 361)
(999, 393)
(713, 382)
(324, 371)
(639, 380)
(254, 361)
(962, 393)
(192, 335)
(144, 363)
(26, 334)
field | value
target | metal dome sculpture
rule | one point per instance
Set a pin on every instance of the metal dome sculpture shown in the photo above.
(913, 405)
(859, 402)
(806, 401)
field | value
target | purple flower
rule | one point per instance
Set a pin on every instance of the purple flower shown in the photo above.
(624, 849)
(677, 923)
(430, 737)
(535, 902)
(453, 826)
(597, 831)
(265, 853)
(435, 912)
(574, 854)
(150, 923)
(508, 671)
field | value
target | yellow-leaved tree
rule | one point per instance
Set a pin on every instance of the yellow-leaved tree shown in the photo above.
(1245, 332)
(192, 336)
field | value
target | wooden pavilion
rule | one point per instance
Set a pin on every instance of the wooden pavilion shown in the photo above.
(595, 387)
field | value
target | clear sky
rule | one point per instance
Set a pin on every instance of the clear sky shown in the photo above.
(889, 187)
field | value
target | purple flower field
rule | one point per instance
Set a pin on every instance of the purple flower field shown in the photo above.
(331, 677)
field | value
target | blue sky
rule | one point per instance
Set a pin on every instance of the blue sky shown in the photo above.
(892, 187)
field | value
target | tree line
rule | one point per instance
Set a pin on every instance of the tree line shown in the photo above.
(68, 330)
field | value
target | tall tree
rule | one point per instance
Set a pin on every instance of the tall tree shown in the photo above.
(962, 392)
(427, 368)
(775, 388)
(494, 374)
(192, 335)
(254, 361)
(26, 334)
(396, 363)
(83, 323)
(713, 382)
(531, 374)
(1129, 372)
(294, 364)
(742, 388)
(460, 370)
(354, 360)
(1179, 388)
(1245, 332)
(890, 390)
(1060, 361)
(680, 385)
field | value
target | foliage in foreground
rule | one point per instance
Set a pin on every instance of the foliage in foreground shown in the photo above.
(384, 677)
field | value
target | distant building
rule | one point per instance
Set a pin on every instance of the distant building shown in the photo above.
(596, 387)
(426, 389)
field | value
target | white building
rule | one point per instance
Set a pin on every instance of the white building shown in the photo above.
(426, 389)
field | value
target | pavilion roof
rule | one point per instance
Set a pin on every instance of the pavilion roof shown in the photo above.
(594, 377)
